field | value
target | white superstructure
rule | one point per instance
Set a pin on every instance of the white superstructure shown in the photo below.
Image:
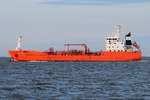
(113, 43)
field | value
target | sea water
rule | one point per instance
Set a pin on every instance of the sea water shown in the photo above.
(75, 80)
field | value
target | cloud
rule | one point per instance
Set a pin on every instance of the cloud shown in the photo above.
(90, 2)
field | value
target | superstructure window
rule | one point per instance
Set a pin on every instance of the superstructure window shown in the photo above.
(111, 39)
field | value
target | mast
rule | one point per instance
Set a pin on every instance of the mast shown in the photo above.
(18, 47)
(117, 31)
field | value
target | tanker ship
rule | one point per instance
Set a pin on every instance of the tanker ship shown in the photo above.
(115, 50)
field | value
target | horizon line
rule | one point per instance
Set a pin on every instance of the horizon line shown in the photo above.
(92, 3)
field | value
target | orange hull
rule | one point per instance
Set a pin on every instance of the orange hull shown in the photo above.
(29, 55)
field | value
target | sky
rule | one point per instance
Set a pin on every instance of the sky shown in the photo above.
(52, 23)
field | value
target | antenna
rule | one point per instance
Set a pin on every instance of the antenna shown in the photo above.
(117, 31)
(18, 47)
